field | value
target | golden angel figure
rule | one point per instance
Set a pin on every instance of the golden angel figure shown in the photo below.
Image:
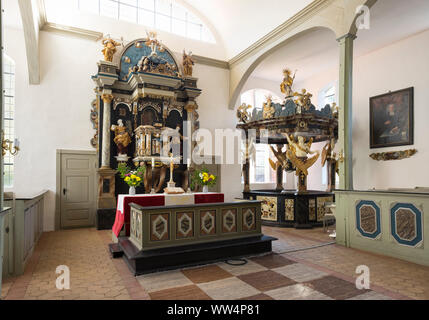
(298, 154)
(109, 48)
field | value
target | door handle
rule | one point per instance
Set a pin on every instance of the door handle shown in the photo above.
(64, 191)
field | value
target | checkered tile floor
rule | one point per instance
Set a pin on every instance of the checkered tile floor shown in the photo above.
(270, 277)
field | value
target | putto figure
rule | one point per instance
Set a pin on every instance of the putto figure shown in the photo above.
(286, 85)
(109, 48)
(188, 63)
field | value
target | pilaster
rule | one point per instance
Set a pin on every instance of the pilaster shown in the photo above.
(345, 120)
(105, 150)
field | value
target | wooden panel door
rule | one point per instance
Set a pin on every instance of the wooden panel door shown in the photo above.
(78, 197)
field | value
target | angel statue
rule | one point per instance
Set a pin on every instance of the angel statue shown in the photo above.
(333, 160)
(282, 159)
(122, 138)
(188, 63)
(286, 85)
(298, 154)
(242, 113)
(109, 48)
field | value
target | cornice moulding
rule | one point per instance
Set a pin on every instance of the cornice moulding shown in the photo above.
(211, 62)
(308, 12)
(53, 27)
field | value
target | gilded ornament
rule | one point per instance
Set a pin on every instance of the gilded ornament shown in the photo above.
(394, 155)
(107, 98)
(94, 121)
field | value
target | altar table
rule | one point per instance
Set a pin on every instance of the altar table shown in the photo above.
(157, 200)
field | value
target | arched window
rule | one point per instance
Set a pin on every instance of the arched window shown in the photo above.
(260, 169)
(9, 114)
(163, 15)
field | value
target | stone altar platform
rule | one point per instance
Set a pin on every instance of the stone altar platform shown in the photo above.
(170, 237)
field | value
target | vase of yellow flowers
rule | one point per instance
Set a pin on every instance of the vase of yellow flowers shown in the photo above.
(133, 178)
(204, 178)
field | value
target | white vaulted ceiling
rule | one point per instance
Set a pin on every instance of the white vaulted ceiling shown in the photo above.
(317, 51)
(240, 23)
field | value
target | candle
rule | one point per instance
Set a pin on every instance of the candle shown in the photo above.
(153, 162)
(16, 142)
(189, 162)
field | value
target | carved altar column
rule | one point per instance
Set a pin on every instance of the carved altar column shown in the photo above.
(345, 110)
(106, 175)
(105, 150)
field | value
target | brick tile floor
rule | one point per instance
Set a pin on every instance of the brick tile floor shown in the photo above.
(304, 266)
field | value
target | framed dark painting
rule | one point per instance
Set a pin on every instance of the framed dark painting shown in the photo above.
(392, 119)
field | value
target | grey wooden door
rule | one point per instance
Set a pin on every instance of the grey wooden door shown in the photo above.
(78, 203)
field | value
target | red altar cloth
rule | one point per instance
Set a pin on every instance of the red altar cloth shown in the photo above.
(123, 207)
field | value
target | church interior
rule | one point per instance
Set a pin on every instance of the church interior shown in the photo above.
(214, 150)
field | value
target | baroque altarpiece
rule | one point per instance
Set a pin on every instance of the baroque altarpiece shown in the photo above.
(141, 93)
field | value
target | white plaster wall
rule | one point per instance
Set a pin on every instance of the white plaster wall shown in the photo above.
(214, 114)
(400, 65)
(53, 115)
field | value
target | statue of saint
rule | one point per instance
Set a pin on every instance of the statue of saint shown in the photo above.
(109, 48)
(188, 63)
(122, 137)
(286, 85)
